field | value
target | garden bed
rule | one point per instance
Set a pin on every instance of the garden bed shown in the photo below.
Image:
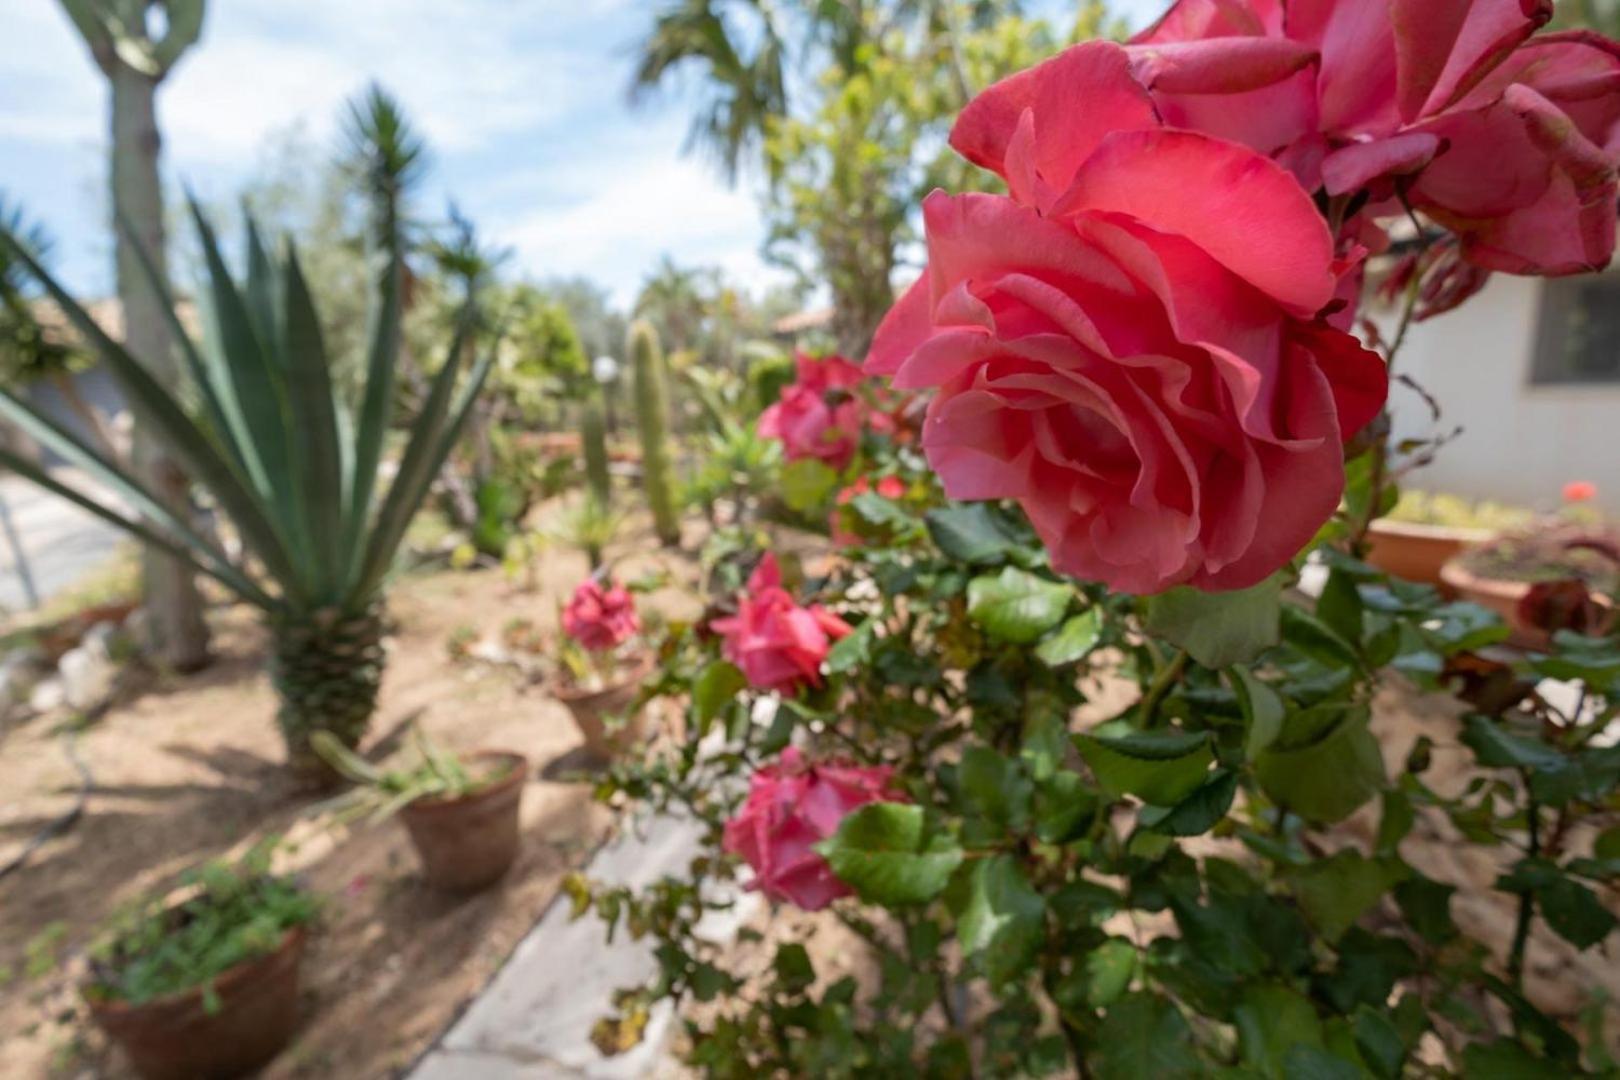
(191, 768)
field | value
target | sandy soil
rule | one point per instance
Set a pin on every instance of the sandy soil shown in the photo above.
(190, 768)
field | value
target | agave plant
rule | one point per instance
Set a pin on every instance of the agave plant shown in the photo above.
(292, 466)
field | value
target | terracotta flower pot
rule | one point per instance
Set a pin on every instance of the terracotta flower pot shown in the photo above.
(1500, 596)
(468, 843)
(1419, 552)
(593, 708)
(176, 1038)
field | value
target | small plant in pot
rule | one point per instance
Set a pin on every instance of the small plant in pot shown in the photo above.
(1502, 574)
(204, 984)
(462, 814)
(1426, 530)
(602, 665)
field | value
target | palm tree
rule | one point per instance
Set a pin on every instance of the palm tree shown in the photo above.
(742, 86)
(676, 300)
(120, 35)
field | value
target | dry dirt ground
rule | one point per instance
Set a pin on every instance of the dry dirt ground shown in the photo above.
(190, 768)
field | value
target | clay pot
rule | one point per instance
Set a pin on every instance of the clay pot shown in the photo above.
(1502, 597)
(1419, 552)
(593, 708)
(176, 1038)
(467, 843)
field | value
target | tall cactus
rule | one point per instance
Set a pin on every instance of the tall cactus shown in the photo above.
(593, 431)
(652, 419)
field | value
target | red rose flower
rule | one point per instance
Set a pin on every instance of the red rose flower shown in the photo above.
(791, 806)
(601, 619)
(819, 416)
(778, 644)
(1130, 344)
(1508, 139)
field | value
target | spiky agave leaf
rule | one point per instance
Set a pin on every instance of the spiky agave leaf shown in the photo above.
(272, 444)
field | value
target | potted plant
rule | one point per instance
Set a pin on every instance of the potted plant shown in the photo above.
(1424, 531)
(462, 814)
(1499, 575)
(206, 984)
(602, 668)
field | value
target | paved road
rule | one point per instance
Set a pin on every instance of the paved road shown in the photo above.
(60, 542)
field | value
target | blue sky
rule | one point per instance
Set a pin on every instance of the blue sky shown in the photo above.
(522, 101)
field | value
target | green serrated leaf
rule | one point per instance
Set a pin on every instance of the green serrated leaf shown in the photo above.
(1263, 710)
(971, 533)
(890, 854)
(1159, 767)
(1073, 641)
(1001, 916)
(1017, 606)
(717, 686)
(1218, 629)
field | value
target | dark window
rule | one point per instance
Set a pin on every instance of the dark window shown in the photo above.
(1579, 337)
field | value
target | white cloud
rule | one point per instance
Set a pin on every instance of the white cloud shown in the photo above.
(654, 206)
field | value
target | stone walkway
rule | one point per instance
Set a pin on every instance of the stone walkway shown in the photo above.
(59, 540)
(534, 1019)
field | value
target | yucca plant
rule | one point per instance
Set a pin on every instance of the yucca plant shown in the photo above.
(285, 459)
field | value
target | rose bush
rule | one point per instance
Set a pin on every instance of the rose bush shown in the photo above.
(777, 644)
(1163, 816)
(1130, 345)
(791, 807)
(601, 617)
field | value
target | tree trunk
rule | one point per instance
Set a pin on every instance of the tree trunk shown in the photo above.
(178, 634)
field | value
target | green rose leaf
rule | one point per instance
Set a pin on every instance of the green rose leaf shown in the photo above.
(1271, 1021)
(852, 650)
(717, 686)
(1001, 916)
(997, 787)
(1017, 606)
(1336, 891)
(1263, 710)
(1199, 812)
(1219, 629)
(1579, 658)
(972, 533)
(1073, 640)
(807, 484)
(890, 854)
(1158, 767)
(1144, 1035)
(1327, 777)
(1099, 980)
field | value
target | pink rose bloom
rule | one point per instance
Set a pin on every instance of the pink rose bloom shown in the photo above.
(778, 644)
(1507, 139)
(820, 415)
(790, 807)
(1130, 344)
(601, 619)
(890, 487)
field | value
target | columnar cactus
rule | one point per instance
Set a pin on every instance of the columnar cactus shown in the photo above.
(652, 419)
(593, 432)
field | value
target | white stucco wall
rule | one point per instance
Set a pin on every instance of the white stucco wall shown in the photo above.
(1520, 443)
